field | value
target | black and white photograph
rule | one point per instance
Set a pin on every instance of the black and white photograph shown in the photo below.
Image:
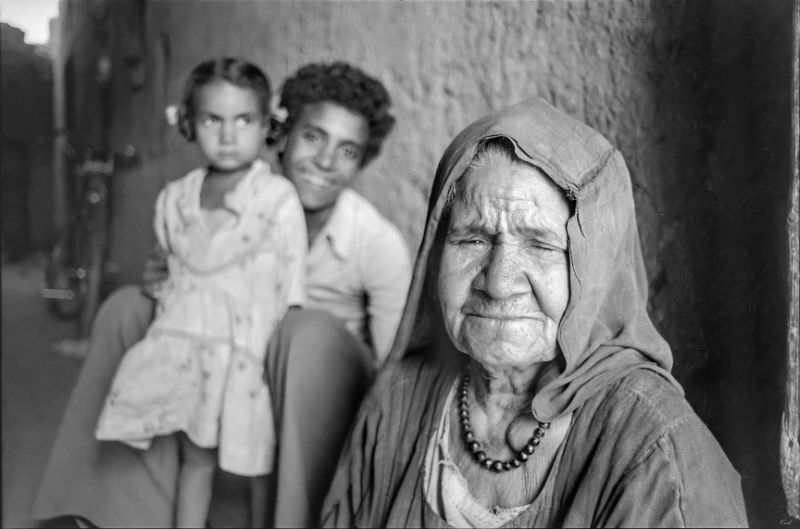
(400, 263)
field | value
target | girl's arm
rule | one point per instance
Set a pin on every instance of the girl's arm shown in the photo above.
(160, 219)
(272, 289)
(294, 238)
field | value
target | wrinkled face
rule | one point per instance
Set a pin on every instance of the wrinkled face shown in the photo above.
(229, 125)
(323, 153)
(503, 279)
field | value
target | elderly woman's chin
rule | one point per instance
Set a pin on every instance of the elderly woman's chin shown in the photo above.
(519, 343)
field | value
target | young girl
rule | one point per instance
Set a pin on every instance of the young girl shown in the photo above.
(235, 240)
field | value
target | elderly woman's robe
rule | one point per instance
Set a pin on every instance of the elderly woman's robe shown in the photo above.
(635, 454)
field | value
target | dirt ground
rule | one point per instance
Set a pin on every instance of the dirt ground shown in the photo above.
(36, 384)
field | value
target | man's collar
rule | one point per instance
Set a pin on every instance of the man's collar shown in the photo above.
(339, 229)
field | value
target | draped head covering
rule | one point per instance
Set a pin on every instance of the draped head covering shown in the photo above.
(605, 331)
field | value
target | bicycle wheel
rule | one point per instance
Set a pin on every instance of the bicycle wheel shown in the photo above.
(66, 273)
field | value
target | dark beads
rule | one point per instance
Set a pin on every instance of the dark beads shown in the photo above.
(474, 446)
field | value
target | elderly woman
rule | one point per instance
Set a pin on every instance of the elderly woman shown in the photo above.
(531, 387)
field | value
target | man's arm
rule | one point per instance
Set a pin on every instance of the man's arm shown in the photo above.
(155, 265)
(155, 271)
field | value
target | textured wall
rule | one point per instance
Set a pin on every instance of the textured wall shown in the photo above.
(694, 94)
(446, 63)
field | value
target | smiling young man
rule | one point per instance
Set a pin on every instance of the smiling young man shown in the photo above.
(358, 272)
(320, 359)
(359, 266)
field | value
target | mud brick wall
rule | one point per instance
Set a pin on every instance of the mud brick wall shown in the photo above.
(696, 95)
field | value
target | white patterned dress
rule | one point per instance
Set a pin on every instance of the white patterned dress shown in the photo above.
(199, 369)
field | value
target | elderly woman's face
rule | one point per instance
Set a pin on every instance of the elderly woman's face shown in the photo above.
(503, 279)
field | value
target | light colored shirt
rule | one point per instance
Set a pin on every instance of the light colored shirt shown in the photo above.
(359, 269)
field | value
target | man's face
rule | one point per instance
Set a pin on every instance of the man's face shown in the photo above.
(323, 153)
(229, 125)
(503, 279)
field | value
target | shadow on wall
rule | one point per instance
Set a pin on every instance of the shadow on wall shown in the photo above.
(720, 291)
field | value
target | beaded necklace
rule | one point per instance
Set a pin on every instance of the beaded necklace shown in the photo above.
(475, 447)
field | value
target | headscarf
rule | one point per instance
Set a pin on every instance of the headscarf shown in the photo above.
(605, 331)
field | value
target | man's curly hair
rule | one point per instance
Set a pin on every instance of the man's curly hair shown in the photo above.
(346, 85)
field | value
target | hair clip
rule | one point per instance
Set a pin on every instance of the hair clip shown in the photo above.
(276, 111)
(171, 113)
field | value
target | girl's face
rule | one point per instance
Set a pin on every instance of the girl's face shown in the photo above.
(230, 125)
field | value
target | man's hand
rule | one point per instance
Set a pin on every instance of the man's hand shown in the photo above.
(155, 271)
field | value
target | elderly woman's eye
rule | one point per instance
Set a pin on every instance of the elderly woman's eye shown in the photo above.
(548, 249)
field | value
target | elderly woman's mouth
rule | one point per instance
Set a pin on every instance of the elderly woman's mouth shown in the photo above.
(505, 316)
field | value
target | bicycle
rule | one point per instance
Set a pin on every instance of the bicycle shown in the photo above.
(76, 265)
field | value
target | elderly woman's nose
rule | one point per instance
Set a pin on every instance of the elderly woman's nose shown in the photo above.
(503, 273)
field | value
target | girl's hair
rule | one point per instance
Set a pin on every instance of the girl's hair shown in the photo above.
(343, 84)
(235, 71)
